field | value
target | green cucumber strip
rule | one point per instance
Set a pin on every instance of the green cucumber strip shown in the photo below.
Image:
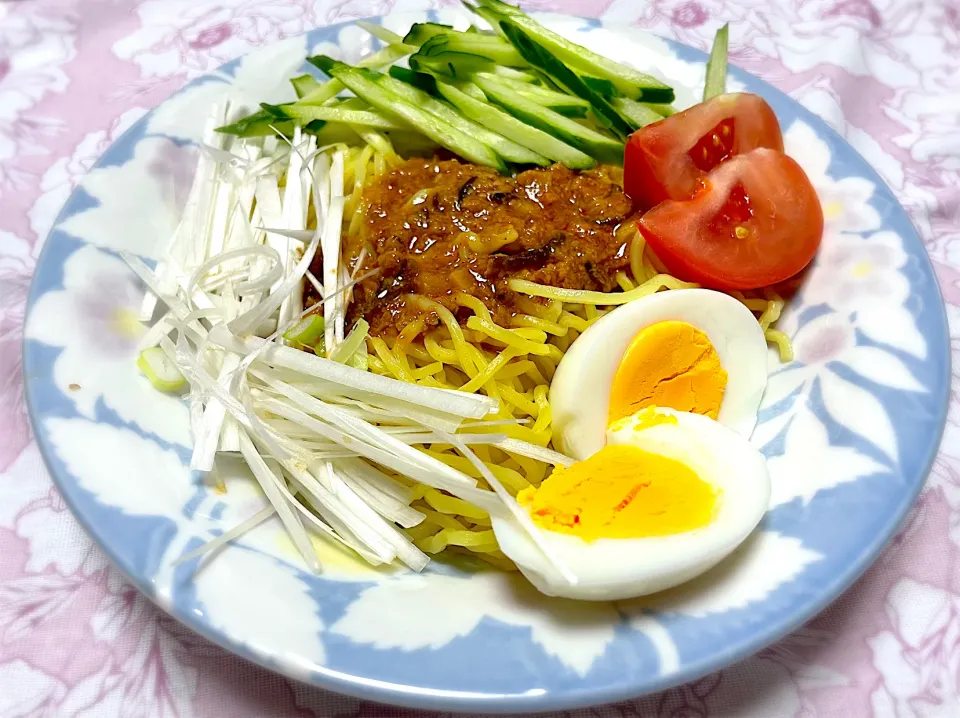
(484, 14)
(567, 109)
(332, 133)
(454, 65)
(598, 146)
(308, 113)
(376, 140)
(636, 113)
(499, 121)
(494, 49)
(631, 83)
(364, 83)
(513, 73)
(600, 85)
(473, 91)
(420, 80)
(420, 32)
(385, 36)
(661, 109)
(304, 85)
(509, 150)
(568, 105)
(543, 59)
(716, 82)
(259, 124)
(382, 58)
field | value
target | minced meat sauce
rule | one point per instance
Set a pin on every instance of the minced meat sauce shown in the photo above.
(436, 227)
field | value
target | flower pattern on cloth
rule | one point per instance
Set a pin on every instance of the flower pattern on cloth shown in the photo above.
(77, 640)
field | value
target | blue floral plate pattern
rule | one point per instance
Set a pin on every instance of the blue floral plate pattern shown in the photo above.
(850, 428)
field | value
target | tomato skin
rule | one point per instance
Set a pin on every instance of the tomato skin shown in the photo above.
(668, 159)
(757, 221)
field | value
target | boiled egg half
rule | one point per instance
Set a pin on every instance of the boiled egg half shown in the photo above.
(669, 496)
(693, 350)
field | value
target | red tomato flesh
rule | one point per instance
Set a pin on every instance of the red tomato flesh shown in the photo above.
(756, 221)
(668, 159)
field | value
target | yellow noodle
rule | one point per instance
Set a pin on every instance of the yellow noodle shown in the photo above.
(435, 517)
(456, 334)
(510, 479)
(514, 369)
(419, 352)
(533, 373)
(477, 540)
(587, 298)
(543, 408)
(533, 470)
(490, 370)
(437, 351)
(411, 331)
(544, 325)
(524, 403)
(472, 302)
(637, 266)
(390, 361)
(421, 373)
(782, 341)
(432, 381)
(421, 531)
(624, 282)
(525, 341)
(771, 313)
(546, 365)
(571, 320)
(549, 310)
(480, 362)
(485, 454)
(451, 505)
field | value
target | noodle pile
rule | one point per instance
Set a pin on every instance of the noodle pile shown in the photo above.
(512, 364)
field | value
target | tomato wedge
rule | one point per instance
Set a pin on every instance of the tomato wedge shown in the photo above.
(667, 160)
(756, 221)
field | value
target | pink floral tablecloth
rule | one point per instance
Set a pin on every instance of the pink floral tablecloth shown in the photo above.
(76, 640)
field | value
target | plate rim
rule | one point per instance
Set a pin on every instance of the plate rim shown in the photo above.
(534, 700)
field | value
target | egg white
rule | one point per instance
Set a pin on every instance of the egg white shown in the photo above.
(580, 390)
(614, 569)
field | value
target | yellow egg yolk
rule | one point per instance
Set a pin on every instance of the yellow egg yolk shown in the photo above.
(621, 492)
(671, 364)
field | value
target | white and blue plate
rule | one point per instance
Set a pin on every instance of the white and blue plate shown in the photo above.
(850, 428)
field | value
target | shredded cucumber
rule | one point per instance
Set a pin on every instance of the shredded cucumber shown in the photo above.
(629, 82)
(514, 129)
(636, 113)
(716, 81)
(366, 84)
(309, 113)
(598, 146)
(509, 150)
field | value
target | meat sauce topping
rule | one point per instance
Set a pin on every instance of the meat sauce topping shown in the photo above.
(439, 227)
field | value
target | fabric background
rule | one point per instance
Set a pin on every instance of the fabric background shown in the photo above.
(76, 640)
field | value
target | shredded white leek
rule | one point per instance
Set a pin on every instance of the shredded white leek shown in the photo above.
(336, 449)
(160, 370)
